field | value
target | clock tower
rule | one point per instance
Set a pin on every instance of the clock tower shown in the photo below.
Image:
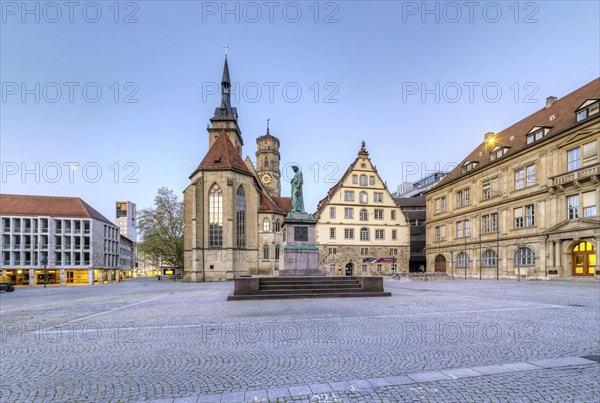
(267, 162)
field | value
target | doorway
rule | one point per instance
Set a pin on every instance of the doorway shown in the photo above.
(349, 269)
(440, 264)
(584, 259)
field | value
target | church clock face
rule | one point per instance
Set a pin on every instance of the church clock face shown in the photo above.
(266, 178)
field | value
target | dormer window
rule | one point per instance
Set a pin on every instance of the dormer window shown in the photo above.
(468, 166)
(498, 152)
(535, 134)
(589, 108)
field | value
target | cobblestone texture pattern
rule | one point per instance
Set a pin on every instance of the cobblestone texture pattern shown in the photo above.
(144, 340)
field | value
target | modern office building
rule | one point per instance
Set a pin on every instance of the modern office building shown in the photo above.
(126, 219)
(57, 240)
(525, 200)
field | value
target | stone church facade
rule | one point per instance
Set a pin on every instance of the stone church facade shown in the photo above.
(233, 211)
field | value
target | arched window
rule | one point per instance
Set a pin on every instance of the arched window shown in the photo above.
(215, 217)
(277, 225)
(266, 225)
(363, 198)
(266, 252)
(277, 248)
(363, 180)
(524, 257)
(266, 162)
(240, 216)
(364, 234)
(490, 259)
(364, 215)
(462, 260)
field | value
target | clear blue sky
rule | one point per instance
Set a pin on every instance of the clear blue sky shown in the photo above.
(370, 53)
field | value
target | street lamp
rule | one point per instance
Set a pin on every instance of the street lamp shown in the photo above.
(45, 263)
(519, 247)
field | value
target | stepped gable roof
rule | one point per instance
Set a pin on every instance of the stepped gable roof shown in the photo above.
(51, 206)
(223, 155)
(564, 117)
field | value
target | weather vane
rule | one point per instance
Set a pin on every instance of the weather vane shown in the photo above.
(226, 47)
(268, 120)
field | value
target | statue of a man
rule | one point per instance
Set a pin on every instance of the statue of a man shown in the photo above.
(297, 198)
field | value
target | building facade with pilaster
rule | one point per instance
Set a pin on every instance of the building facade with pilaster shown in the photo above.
(525, 201)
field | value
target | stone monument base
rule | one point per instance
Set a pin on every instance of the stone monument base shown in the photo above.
(300, 255)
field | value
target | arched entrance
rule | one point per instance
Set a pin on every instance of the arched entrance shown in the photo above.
(440, 264)
(584, 259)
(349, 269)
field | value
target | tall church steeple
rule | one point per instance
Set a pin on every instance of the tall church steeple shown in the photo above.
(225, 117)
(267, 162)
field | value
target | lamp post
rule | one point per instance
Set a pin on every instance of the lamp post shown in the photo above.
(45, 263)
(519, 246)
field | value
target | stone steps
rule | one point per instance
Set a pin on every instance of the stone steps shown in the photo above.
(254, 288)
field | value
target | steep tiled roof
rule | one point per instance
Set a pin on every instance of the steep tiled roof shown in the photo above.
(323, 202)
(52, 206)
(564, 117)
(223, 155)
(284, 203)
(273, 205)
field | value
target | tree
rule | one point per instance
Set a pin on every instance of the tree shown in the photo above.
(161, 229)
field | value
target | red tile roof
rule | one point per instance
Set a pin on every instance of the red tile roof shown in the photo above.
(563, 111)
(52, 206)
(284, 203)
(223, 155)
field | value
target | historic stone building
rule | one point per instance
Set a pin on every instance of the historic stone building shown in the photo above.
(233, 211)
(526, 199)
(361, 231)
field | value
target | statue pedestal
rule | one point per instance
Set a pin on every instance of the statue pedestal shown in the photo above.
(300, 255)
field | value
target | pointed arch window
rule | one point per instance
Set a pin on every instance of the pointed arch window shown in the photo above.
(215, 217)
(266, 162)
(240, 216)
(266, 225)
(266, 252)
(277, 249)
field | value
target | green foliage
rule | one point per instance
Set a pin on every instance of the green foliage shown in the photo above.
(161, 228)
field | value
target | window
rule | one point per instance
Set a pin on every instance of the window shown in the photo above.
(277, 249)
(364, 268)
(462, 198)
(277, 225)
(497, 153)
(266, 225)
(529, 215)
(440, 205)
(379, 214)
(462, 260)
(518, 215)
(393, 214)
(364, 251)
(485, 224)
(349, 213)
(538, 135)
(490, 188)
(371, 180)
(215, 217)
(590, 153)
(364, 234)
(349, 233)
(524, 257)
(354, 179)
(466, 227)
(440, 232)
(378, 197)
(332, 268)
(573, 159)
(332, 251)
(363, 215)
(494, 219)
(379, 268)
(379, 234)
(530, 178)
(348, 195)
(490, 259)
(240, 217)
(519, 179)
(331, 233)
(331, 212)
(573, 207)
(588, 111)
(394, 234)
(363, 198)
(589, 204)
(394, 252)
(462, 229)
(266, 252)
(363, 180)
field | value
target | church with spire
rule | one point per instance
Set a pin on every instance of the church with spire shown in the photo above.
(233, 210)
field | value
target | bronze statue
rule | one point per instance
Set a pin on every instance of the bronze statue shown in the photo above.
(297, 198)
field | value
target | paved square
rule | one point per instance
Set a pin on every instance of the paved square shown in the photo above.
(147, 340)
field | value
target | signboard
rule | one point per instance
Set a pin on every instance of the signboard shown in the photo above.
(301, 234)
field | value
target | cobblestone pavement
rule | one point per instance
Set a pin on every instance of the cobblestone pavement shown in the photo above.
(145, 340)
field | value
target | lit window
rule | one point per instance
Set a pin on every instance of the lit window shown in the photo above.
(266, 225)
(215, 217)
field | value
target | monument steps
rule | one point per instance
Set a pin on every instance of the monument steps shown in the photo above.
(307, 287)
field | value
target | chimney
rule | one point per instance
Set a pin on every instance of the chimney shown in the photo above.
(550, 101)
(488, 138)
